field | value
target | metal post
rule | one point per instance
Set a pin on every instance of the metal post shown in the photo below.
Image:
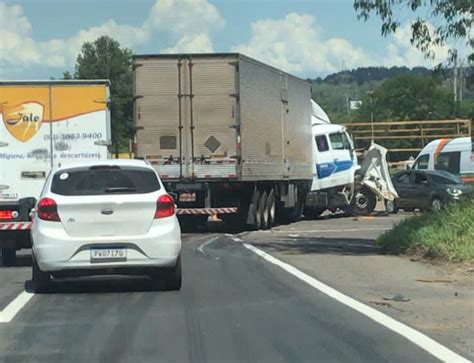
(191, 116)
(51, 125)
(180, 121)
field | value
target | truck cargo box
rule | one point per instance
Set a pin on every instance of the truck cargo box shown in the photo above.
(221, 116)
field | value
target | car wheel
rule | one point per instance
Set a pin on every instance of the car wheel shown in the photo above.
(436, 204)
(8, 256)
(391, 207)
(364, 202)
(170, 277)
(41, 279)
(173, 277)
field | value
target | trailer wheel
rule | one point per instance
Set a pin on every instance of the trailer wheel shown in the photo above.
(255, 216)
(271, 208)
(8, 256)
(265, 214)
(364, 202)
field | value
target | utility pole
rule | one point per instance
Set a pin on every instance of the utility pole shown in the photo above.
(455, 80)
(371, 104)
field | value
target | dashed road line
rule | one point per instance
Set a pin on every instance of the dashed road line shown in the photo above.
(9, 312)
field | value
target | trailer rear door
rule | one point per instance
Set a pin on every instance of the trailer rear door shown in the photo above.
(185, 115)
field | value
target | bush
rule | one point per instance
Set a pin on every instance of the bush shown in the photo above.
(446, 234)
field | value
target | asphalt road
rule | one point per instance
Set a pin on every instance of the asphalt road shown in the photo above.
(233, 307)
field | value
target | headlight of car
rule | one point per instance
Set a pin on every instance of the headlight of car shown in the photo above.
(454, 192)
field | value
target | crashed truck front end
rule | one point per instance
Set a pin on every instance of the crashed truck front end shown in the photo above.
(374, 173)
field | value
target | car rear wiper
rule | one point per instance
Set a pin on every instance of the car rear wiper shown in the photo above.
(119, 189)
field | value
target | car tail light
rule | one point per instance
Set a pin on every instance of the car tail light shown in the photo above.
(8, 214)
(164, 207)
(48, 210)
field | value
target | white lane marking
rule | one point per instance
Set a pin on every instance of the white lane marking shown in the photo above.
(416, 337)
(9, 312)
(201, 247)
(237, 239)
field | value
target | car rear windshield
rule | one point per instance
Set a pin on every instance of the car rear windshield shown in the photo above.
(105, 180)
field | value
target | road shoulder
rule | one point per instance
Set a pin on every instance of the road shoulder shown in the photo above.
(435, 299)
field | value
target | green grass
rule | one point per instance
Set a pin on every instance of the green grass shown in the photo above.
(447, 234)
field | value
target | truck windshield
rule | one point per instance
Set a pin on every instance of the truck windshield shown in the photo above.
(103, 180)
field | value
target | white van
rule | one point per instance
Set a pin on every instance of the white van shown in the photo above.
(453, 155)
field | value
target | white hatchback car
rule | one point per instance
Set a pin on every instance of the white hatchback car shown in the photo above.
(111, 217)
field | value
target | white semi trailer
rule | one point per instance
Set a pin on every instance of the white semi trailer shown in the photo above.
(235, 137)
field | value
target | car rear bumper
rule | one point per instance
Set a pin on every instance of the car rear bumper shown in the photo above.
(54, 250)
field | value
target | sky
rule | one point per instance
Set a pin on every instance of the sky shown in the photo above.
(40, 39)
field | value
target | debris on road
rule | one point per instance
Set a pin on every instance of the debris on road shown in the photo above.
(398, 298)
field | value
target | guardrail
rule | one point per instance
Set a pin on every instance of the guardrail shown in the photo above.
(418, 132)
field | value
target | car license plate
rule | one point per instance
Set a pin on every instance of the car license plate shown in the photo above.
(187, 197)
(108, 254)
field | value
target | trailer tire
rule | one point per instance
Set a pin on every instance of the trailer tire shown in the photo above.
(265, 214)
(271, 208)
(255, 212)
(8, 256)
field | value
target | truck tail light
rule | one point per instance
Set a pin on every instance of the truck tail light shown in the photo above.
(8, 214)
(164, 207)
(48, 210)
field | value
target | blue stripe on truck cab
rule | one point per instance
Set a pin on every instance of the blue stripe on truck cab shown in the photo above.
(327, 169)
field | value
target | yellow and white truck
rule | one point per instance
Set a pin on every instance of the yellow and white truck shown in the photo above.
(44, 124)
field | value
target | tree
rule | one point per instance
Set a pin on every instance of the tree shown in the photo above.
(67, 75)
(452, 18)
(105, 59)
(408, 98)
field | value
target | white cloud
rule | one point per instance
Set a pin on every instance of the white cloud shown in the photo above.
(184, 17)
(196, 43)
(295, 44)
(187, 24)
(11, 17)
(402, 53)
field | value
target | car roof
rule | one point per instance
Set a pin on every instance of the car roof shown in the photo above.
(118, 162)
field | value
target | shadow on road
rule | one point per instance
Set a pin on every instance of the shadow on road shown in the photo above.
(324, 245)
(99, 284)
